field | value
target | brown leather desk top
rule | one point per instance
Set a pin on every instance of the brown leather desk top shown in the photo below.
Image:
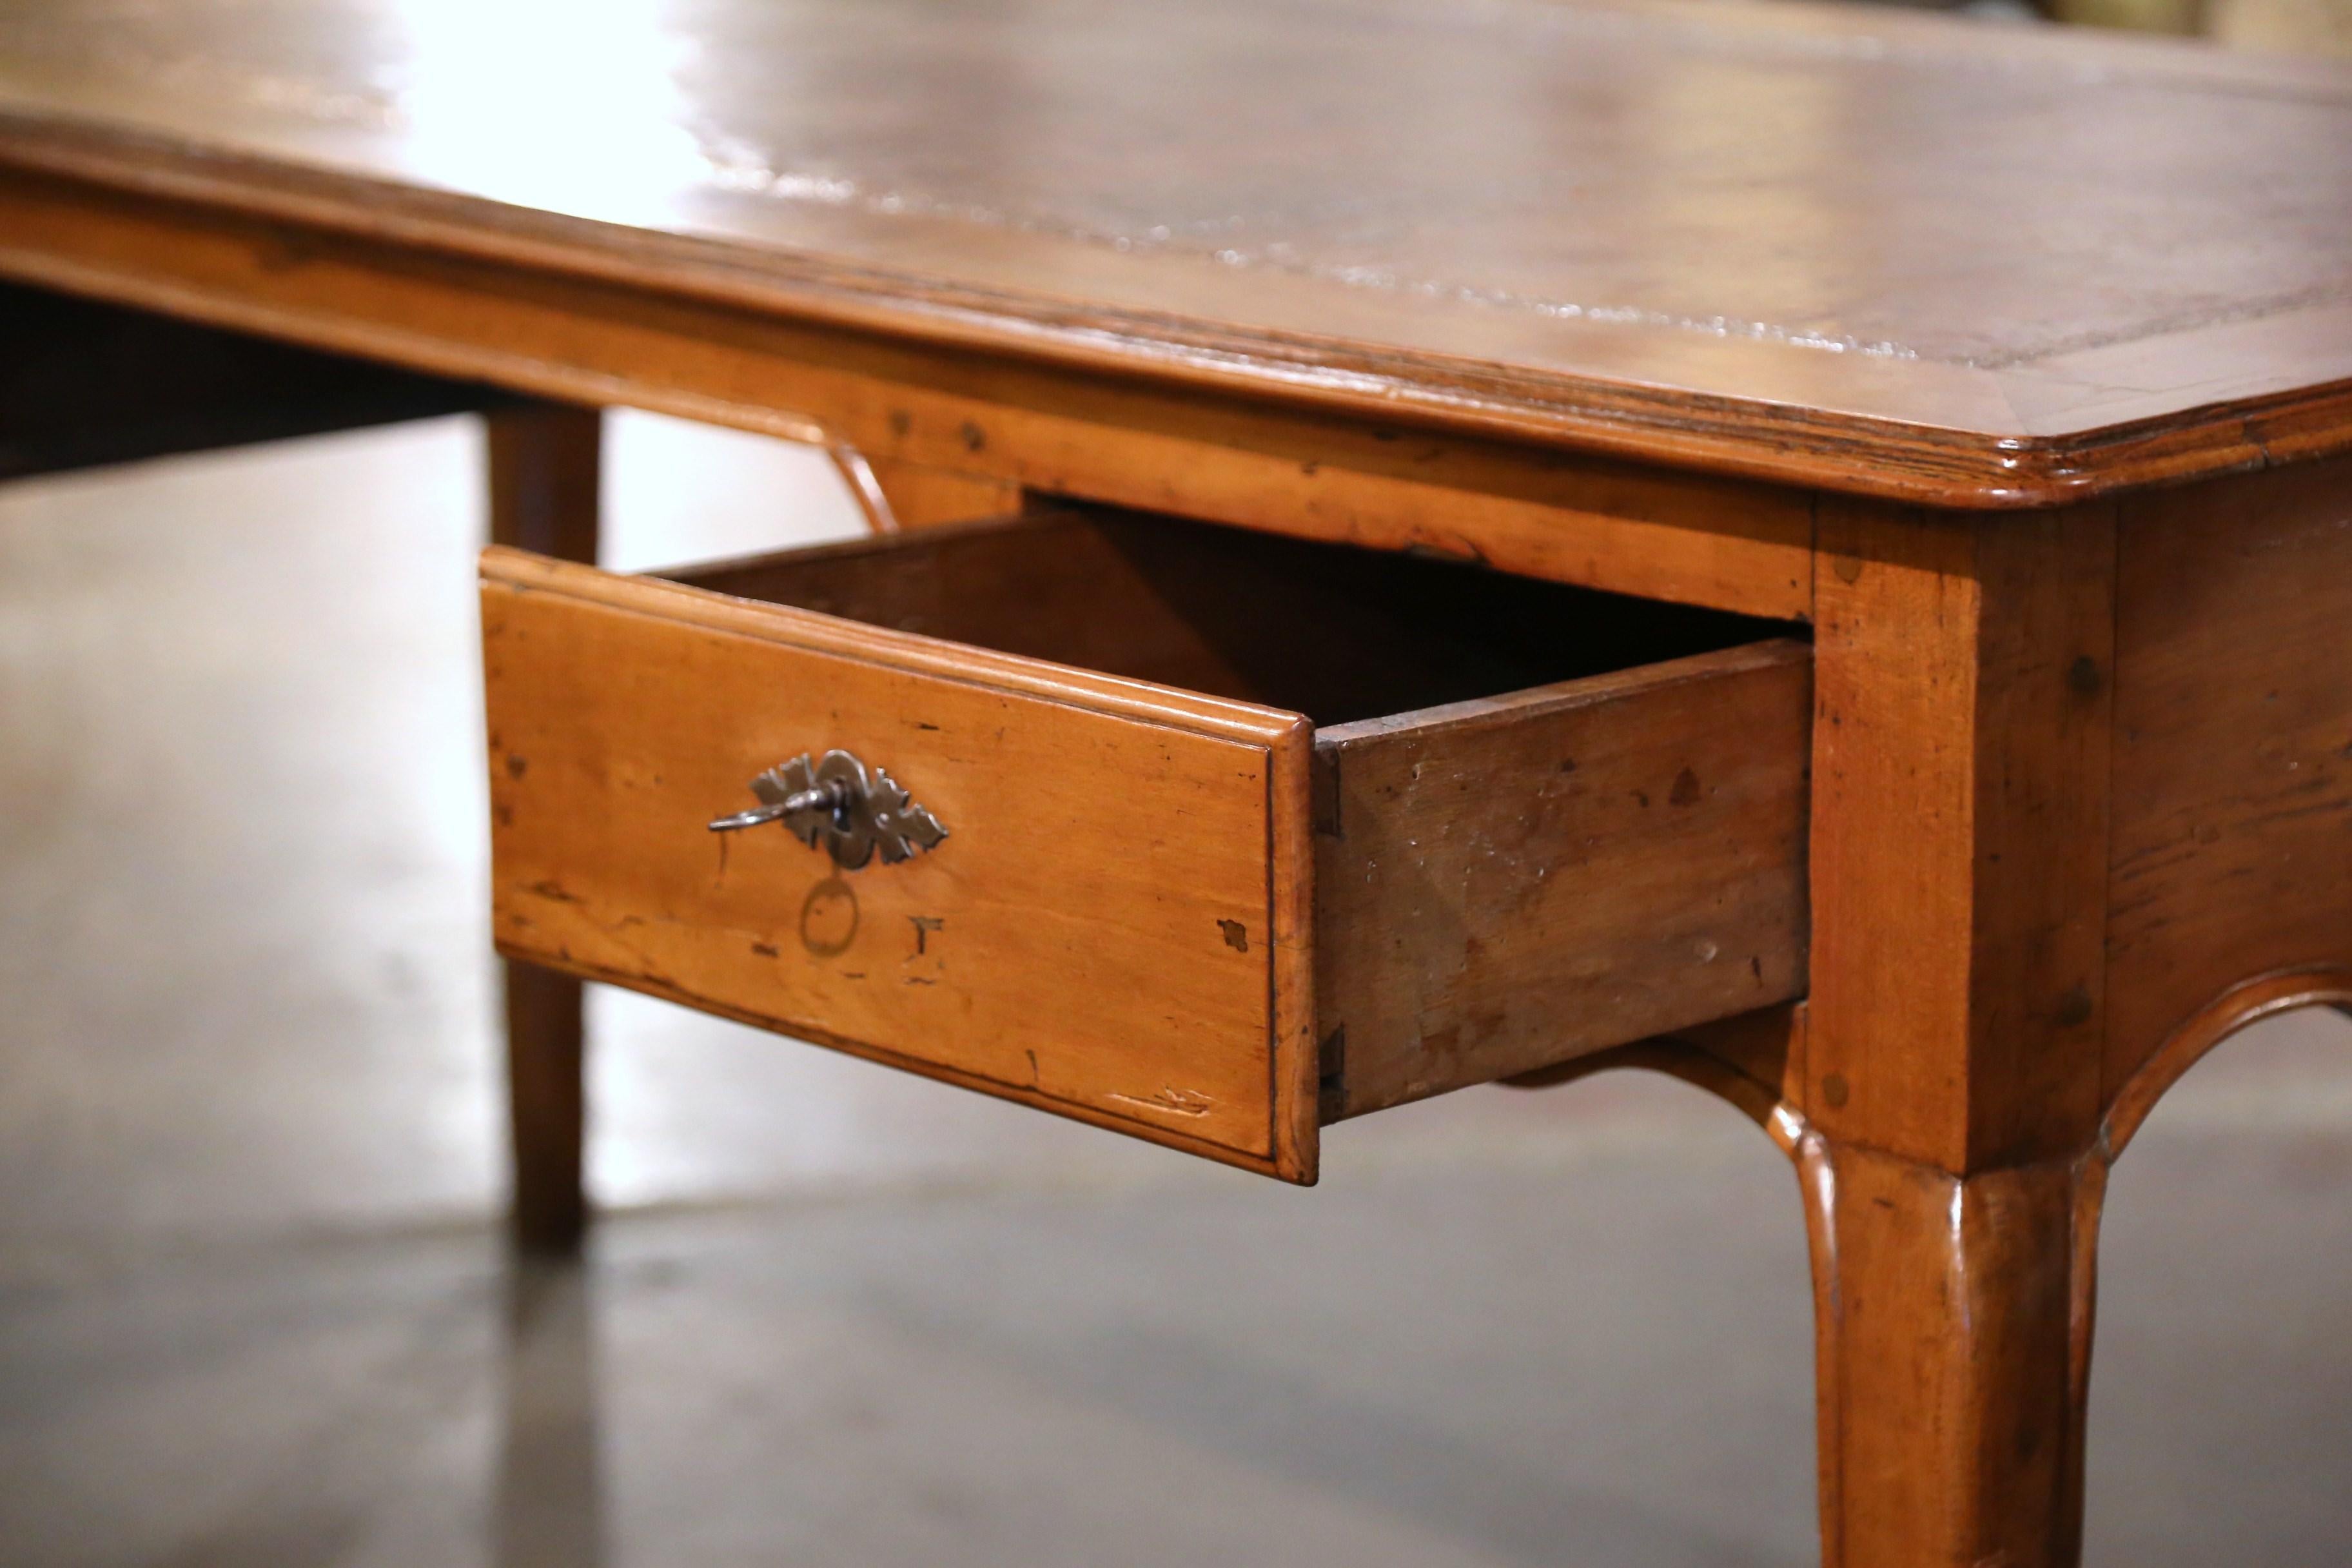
(1976, 264)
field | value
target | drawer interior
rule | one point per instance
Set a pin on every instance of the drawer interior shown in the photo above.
(1334, 632)
(1244, 834)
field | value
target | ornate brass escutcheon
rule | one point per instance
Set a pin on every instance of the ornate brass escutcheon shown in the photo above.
(838, 804)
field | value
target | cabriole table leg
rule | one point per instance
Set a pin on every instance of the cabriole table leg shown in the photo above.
(1952, 1323)
(1949, 1093)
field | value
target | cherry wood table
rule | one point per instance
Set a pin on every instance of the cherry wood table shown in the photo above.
(1808, 550)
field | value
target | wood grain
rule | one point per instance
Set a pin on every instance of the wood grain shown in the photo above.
(1656, 881)
(545, 474)
(1753, 1061)
(1336, 634)
(1953, 1314)
(1508, 883)
(1699, 304)
(1963, 684)
(728, 355)
(1114, 929)
(1737, 239)
(1949, 1097)
(1952, 1321)
(920, 495)
(1612, 847)
(2232, 845)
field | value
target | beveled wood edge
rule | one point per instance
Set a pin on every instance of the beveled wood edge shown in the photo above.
(1294, 1055)
(1741, 545)
(1765, 1092)
(1284, 740)
(1753, 1061)
(1476, 713)
(1678, 1058)
(1975, 470)
(935, 657)
(2246, 1003)
(1078, 1110)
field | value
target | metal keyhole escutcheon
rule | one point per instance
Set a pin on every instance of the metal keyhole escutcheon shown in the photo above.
(838, 804)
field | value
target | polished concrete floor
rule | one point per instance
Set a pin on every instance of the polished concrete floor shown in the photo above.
(254, 1311)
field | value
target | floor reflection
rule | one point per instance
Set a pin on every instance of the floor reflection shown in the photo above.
(252, 1308)
(549, 1507)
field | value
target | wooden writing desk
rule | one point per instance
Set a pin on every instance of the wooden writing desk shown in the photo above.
(1966, 416)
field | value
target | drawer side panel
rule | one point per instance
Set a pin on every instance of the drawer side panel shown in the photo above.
(1506, 885)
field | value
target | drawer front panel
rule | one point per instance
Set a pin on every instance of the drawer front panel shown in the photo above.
(1112, 929)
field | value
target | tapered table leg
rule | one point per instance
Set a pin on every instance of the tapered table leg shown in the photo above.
(546, 1106)
(543, 479)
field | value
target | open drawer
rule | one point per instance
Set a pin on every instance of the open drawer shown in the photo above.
(1207, 835)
